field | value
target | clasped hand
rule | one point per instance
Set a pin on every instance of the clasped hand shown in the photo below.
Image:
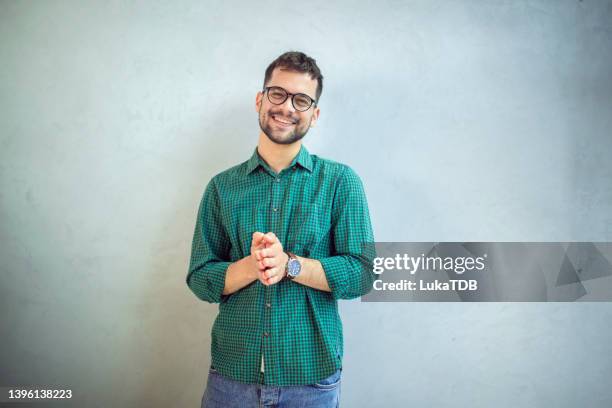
(268, 257)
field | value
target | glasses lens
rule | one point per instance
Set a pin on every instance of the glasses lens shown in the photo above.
(277, 95)
(302, 102)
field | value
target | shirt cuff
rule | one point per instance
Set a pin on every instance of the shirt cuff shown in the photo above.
(209, 281)
(345, 276)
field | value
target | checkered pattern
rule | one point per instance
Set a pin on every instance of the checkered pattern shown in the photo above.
(318, 209)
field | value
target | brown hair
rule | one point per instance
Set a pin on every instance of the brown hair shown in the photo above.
(298, 62)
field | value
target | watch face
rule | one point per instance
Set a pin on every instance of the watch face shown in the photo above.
(294, 267)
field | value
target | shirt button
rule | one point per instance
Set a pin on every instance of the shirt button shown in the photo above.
(266, 334)
(277, 180)
(275, 209)
(268, 305)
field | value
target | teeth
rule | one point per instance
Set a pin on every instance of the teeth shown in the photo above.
(282, 120)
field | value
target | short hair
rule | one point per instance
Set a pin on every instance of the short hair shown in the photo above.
(298, 62)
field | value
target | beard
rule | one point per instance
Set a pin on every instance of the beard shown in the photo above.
(279, 136)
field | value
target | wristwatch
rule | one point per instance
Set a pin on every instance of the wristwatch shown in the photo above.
(293, 267)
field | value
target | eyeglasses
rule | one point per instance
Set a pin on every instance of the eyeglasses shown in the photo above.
(277, 95)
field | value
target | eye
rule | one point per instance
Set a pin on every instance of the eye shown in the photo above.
(277, 94)
(302, 101)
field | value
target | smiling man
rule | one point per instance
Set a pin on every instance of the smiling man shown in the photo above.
(279, 239)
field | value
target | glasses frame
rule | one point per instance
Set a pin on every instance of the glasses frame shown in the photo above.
(266, 90)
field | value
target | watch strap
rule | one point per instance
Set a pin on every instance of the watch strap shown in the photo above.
(290, 256)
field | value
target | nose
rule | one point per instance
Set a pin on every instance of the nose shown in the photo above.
(288, 105)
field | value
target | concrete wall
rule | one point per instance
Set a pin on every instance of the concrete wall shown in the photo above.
(467, 121)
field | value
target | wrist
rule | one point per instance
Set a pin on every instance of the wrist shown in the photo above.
(285, 264)
(294, 266)
(251, 267)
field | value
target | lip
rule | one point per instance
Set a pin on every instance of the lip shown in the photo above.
(281, 124)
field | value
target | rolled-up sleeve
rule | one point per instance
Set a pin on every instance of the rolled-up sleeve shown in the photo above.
(349, 271)
(209, 250)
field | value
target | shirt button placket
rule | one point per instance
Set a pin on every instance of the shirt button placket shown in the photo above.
(276, 197)
(276, 187)
(266, 347)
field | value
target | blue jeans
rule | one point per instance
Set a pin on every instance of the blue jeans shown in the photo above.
(223, 392)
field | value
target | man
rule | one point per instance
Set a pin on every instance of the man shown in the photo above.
(278, 240)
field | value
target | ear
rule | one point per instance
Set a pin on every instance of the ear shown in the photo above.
(315, 117)
(258, 100)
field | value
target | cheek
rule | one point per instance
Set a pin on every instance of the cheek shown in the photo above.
(263, 114)
(307, 121)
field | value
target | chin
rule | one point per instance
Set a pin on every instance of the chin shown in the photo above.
(283, 138)
(286, 140)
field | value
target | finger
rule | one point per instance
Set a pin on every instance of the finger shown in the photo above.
(277, 246)
(264, 275)
(269, 252)
(275, 279)
(263, 279)
(270, 273)
(271, 280)
(270, 238)
(273, 250)
(257, 239)
(269, 262)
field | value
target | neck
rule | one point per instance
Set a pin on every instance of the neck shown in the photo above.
(278, 156)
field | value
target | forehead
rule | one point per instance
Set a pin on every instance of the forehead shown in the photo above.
(294, 82)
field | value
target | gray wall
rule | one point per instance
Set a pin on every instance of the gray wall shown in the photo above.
(467, 121)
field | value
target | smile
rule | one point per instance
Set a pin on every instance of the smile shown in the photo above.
(282, 121)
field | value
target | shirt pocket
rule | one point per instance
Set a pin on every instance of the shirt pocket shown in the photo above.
(306, 229)
(331, 382)
(244, 221)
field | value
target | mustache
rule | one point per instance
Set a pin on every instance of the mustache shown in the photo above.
(280, 114)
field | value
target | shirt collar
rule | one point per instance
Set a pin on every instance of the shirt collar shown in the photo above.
(303, 158)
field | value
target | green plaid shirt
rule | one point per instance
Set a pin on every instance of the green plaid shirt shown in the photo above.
(318, 210)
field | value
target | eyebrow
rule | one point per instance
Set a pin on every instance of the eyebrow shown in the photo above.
(292, 93)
